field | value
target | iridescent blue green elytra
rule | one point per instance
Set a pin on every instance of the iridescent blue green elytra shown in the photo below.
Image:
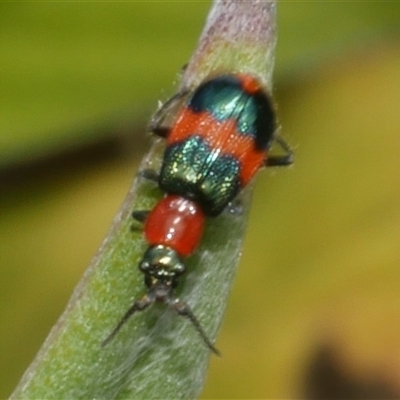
(218, 142)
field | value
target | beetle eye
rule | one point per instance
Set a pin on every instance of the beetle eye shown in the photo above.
(144, 266)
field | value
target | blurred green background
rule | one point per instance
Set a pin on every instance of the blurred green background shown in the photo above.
(316, 301)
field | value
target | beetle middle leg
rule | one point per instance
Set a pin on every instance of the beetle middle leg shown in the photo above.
(149, 174)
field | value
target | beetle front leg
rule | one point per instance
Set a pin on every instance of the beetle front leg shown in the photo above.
(140, 215)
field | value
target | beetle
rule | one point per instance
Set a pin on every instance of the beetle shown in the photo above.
(218, 141)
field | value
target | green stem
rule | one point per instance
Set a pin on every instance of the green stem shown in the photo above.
(157, 354)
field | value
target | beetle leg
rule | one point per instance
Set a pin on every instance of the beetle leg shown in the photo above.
(149, 174)
(140, 215)
(235, 207)
(281, 160)
(157, 122)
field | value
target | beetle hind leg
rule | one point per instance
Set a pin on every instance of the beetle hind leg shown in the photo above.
(158, 124)
(281, 160)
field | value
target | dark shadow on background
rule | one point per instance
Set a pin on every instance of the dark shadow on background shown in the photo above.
(327, 378)
(107, 147)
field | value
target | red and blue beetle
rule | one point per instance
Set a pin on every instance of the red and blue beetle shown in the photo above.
(219, 139)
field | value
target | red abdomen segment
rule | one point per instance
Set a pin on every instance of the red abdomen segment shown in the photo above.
(175, 222)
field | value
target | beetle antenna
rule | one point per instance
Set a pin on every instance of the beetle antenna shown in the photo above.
(138, 305)
(178, 306)
(183, 309)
